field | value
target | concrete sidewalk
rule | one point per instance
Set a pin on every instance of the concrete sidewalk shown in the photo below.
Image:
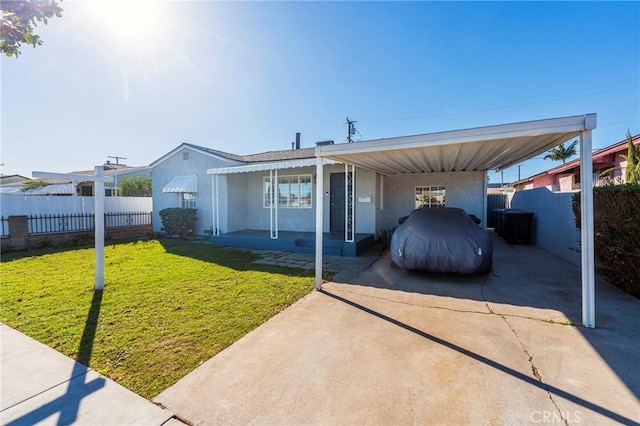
(41, 386)
(390, 347)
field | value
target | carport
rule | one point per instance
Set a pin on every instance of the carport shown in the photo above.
(477, 149)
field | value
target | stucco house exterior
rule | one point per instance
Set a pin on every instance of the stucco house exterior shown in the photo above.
(362, 188)
(609, 165)
(235, 196)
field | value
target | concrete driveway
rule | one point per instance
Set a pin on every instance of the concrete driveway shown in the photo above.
(383, 346)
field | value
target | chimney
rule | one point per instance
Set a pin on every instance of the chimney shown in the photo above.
(297, 140)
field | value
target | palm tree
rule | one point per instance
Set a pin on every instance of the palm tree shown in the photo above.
(562, 153)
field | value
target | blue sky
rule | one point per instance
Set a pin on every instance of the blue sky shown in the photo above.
(244, 77)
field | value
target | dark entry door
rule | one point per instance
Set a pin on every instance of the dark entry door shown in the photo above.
(336, 210)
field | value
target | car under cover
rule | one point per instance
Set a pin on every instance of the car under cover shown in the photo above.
(442, 239)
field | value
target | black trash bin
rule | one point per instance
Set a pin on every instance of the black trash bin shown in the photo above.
(498, 221)
(516, 226)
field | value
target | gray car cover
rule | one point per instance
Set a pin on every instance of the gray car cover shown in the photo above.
(441, 240)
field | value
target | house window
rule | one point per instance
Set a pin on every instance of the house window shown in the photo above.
(430, 196)
(291, 191)
(188, 200)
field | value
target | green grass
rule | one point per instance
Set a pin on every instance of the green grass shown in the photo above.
(167, 305)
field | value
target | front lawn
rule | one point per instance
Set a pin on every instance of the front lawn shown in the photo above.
(167, 305)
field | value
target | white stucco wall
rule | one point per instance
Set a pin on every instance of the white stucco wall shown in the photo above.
(554, 226)
(463, 189)
(241, 197)
(246, 209)
(289, 219)
(197, 164)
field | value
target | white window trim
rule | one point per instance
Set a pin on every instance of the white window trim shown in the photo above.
(266, 179)
(431, 188)
(192, 202)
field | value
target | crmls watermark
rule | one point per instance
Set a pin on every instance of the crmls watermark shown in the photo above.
(571, 417)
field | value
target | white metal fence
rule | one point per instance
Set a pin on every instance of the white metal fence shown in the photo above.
(16, 205)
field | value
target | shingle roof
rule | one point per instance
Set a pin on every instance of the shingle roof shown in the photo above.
(228, 156)
(288, 154)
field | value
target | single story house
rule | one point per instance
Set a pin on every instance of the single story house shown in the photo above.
(608, 164)
(268, 200)
(362, 188)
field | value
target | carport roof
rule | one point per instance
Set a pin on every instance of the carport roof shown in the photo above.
(482, 148)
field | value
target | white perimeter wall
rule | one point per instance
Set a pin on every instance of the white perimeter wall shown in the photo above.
(18, 205)
(554, 226)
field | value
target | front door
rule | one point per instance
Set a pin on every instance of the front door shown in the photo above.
(336, 209)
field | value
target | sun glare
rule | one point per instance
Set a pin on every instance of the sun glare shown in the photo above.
(132, 24)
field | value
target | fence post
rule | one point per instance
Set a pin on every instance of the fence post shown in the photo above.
(19, 232)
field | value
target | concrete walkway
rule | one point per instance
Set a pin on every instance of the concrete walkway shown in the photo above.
(41, 386)
(329, 263)
(382, 346)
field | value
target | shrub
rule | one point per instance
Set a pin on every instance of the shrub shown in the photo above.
(80, 240)
(178, 221)
(44, 243)
(139, 186)
(616, 211)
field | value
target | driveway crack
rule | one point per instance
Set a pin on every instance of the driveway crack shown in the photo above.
(534, 369)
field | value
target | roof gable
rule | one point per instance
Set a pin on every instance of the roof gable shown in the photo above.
(202, 150)
(262, 157)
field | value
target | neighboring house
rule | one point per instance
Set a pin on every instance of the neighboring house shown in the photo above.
(79, 188)
(12, 183)
(118, 171)
(609, 165)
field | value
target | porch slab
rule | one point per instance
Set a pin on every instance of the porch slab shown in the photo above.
(296, 242)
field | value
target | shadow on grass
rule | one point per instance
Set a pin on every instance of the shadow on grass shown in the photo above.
(22, 254)
(238, 259)
(68, 404)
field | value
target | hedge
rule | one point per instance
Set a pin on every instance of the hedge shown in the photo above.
(179, 222)
(616, 211)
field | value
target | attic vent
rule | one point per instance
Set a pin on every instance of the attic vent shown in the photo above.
(185, 155)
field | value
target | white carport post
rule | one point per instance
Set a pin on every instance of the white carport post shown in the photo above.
(586, 219)
(319, 205)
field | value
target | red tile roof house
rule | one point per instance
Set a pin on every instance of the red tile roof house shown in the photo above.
(608, 166)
